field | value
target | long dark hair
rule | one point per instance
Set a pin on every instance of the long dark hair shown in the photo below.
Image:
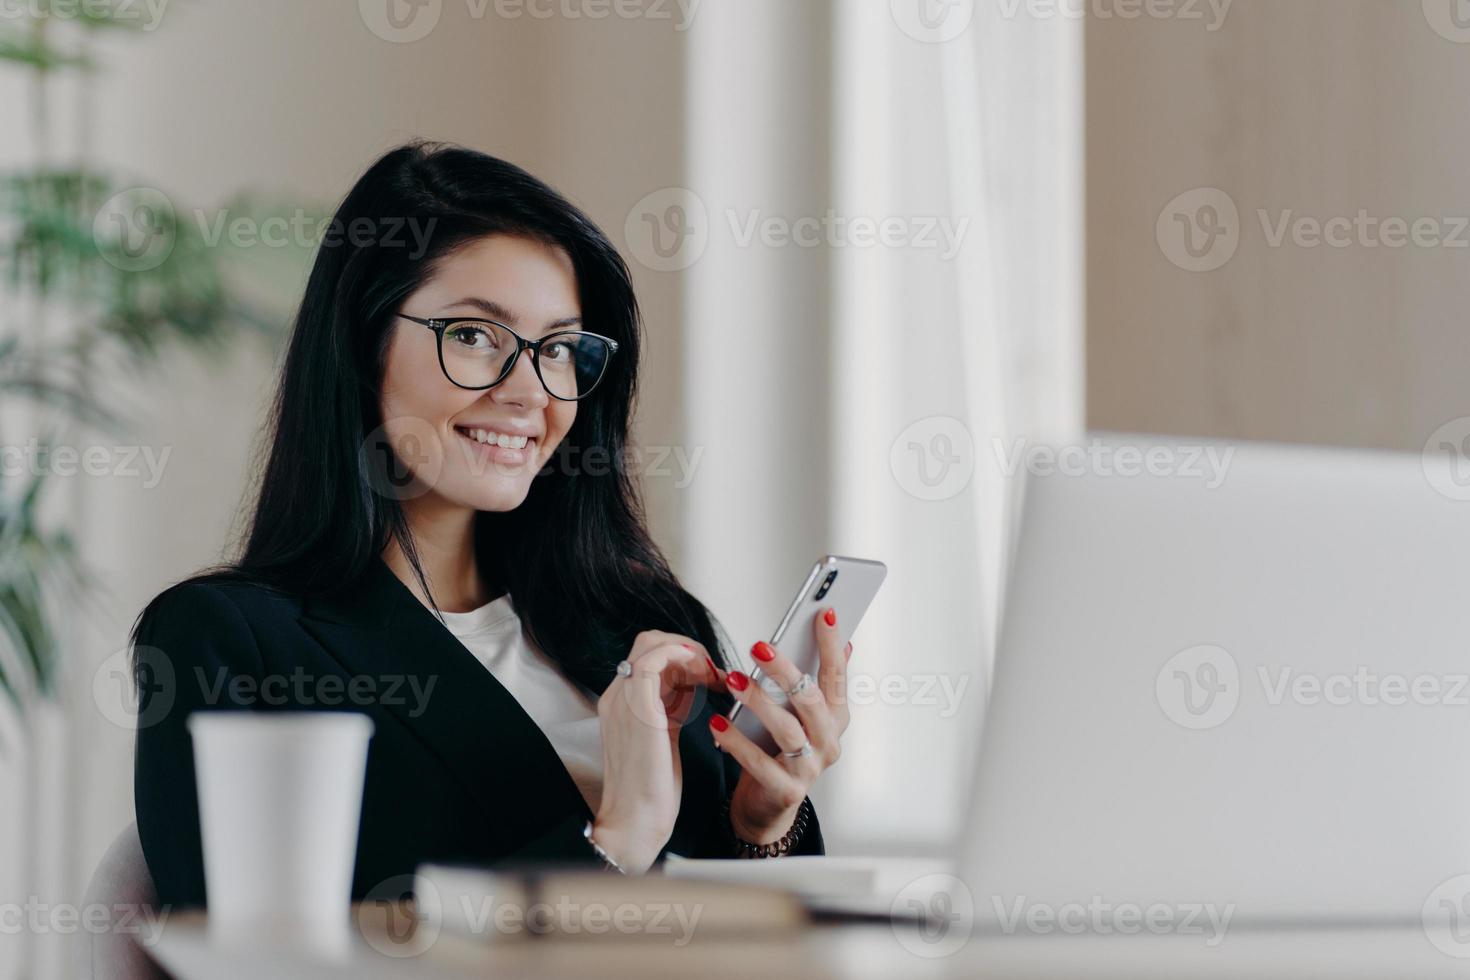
(576, 556)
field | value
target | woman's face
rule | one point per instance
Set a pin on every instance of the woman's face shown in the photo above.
(480, 449)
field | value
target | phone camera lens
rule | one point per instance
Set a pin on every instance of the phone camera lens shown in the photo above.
(827, 584)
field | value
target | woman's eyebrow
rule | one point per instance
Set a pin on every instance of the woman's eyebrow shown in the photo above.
(495, 311)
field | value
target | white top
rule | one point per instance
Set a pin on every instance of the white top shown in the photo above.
(564, 711)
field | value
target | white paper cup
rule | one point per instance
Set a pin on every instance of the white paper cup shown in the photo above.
(280, 800)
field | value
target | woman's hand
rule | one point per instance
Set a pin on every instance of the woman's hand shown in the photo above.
(640, 717)
(771, 788)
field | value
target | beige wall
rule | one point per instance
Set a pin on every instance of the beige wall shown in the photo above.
(1323, 107)
(296, 99)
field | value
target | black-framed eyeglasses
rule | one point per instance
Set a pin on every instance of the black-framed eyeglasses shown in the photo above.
(476, 353)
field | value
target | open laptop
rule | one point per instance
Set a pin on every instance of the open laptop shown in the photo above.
(1243, 689)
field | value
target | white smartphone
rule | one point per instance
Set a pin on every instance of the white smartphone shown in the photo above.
(848, 585)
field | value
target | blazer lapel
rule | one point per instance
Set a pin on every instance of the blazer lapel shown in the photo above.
(467, 719)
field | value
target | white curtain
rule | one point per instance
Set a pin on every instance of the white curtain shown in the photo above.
(885, 295)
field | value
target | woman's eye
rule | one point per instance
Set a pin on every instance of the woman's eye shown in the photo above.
(476, 338)
(557, 352)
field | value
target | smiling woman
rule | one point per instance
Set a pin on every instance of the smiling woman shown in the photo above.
(419, 527)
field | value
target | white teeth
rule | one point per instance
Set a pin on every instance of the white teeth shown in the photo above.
(497, 438)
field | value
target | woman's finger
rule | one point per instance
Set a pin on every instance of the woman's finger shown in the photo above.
(660, 688)
(832, 675)
(811, 704)
(784, 727)
(779, 783)
(691, 656)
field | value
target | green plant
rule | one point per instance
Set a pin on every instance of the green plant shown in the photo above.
(82, 301)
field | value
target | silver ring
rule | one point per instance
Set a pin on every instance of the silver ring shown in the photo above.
(800, 686)
(800, 753)
(625, 669)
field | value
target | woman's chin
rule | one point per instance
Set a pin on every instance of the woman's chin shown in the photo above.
(507, 495)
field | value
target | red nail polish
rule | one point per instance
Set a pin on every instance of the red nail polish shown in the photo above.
(718, 723)
(830, 617)
(737, 680)
(763, 652)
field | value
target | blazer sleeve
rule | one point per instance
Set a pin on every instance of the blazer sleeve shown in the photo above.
(192, 642)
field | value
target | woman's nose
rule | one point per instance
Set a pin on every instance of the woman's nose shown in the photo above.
(521, 387)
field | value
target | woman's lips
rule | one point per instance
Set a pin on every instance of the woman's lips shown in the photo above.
(493, 451)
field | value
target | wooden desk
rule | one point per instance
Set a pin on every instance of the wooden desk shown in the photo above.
(871, 951)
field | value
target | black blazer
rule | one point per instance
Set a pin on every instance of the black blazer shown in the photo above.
(457, 772)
